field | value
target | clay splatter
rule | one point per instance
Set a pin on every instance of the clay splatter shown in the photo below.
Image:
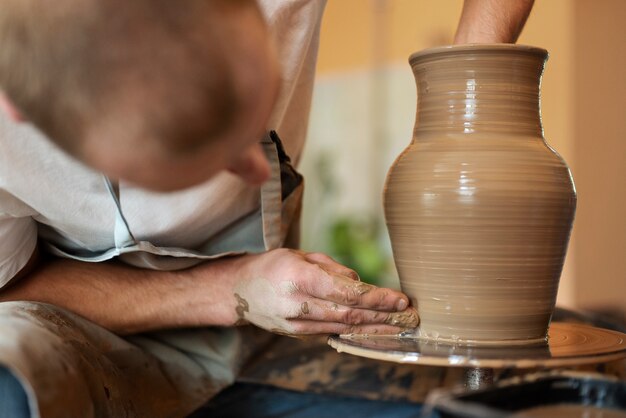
(350, 293)
(361, 288)
(241, 309)
(304, 308)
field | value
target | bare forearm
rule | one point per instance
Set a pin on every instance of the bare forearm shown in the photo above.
(492, 21)
(126, 300)
(282, 290)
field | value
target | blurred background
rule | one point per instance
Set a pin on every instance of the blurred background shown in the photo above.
(364, 109)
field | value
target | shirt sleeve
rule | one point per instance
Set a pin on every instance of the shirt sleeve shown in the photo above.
(18, 239)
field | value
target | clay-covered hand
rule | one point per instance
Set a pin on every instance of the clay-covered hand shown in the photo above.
(297, 293)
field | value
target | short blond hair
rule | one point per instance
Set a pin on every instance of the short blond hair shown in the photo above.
(66, 64)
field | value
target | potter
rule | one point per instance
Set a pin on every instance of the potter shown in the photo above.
(479, 207)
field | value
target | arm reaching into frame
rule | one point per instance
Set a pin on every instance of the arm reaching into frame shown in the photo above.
(492, 21)
(284, 291)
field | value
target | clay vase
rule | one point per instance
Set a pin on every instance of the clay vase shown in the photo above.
(479, 207)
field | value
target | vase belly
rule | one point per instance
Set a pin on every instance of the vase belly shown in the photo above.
(479, 226)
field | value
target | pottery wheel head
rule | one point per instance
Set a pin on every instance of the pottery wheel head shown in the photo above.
(567, 345)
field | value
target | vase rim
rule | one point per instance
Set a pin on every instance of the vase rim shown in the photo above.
(469, 48)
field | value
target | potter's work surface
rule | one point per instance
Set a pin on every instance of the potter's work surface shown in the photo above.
(568, 344)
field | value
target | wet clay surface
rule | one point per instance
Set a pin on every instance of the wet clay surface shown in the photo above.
(115, 378)
(567, 345)
(78, 369)
(310, 365)
(479, 208)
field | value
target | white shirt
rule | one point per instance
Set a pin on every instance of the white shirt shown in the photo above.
(45, 193)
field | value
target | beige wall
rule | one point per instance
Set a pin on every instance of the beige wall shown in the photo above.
(584, 118)
(600, 152)
(551, 26)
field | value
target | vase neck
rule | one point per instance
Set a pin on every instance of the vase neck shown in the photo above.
(479, 91)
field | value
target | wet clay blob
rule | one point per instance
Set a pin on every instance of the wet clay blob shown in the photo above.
(479, 208)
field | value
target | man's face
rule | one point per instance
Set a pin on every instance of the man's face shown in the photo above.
(240, 154)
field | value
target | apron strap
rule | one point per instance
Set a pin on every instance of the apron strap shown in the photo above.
(271, 196)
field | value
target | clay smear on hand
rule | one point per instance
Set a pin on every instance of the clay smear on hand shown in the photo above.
(264, 304)
(348, 294)
(241, 309)
(406, 319)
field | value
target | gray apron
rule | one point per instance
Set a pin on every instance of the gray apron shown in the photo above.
(71, 367)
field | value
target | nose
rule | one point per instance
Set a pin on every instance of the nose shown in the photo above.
(252, 166)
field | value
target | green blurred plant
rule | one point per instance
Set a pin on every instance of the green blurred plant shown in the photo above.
(355, 242)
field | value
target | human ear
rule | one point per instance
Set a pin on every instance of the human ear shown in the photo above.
(9, 108)
(252, 166)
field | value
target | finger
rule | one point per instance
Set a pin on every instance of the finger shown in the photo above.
(330, 265)
(343, 291)
(304, 327)
(319, 258)
(321, 310)
(340, 270)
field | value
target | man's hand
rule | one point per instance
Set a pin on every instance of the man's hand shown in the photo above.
(292, 292)
(284, 291)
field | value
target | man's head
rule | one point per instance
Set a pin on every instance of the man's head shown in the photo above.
(158, 92)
